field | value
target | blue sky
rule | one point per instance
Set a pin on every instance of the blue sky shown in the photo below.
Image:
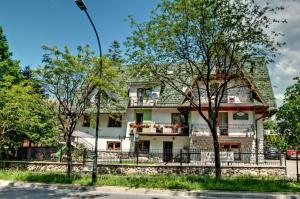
(32, 23)
(29, 24)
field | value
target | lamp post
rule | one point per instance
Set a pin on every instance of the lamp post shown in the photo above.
(83, 7)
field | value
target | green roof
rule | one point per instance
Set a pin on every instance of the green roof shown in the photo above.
(258, 74)
(169, 97)
(110, 108)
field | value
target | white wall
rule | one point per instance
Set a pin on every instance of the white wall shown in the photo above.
(239, 90)
(260, 127)
(156, 142)
(104, 130)
(163, 115)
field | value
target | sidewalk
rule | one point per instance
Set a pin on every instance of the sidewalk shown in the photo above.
(73, 191)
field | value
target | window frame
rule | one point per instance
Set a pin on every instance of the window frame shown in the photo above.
(114, 148)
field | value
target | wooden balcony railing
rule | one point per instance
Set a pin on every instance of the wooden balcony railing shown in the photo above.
(231, 130)
(159, 128)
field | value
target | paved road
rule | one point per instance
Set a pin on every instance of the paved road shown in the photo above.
(18, 190)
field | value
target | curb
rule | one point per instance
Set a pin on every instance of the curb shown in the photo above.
(83, 190)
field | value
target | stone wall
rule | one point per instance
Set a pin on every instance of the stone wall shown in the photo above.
(198, 170)
(146, 169)
(39, 166)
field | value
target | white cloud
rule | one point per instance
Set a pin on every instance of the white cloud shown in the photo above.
(287, 64)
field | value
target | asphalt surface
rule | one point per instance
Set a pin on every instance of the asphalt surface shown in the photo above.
(20, 190)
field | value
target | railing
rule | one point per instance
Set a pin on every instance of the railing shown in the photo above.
(159, 128)
(188, 157)
(141, 101)
(232, 130)
(196, 157)
(227, 99)
(83, 141)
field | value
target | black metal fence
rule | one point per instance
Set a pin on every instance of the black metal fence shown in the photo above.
(191, 157)
(188, 157)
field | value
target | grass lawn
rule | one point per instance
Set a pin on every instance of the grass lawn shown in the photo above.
(162, 181)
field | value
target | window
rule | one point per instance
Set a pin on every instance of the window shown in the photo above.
(235, 147)
(113, 145)
(115, 120)
(86, 121)
(223, 123)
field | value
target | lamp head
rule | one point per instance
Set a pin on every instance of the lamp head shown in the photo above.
(80, 4)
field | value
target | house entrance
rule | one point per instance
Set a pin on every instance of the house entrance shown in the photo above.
(168, 151)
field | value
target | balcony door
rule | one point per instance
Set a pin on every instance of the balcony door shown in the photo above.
(140, 95)
(223, 123)
(139, 120)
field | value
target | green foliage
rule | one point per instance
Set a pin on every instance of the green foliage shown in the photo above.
(276, 140)
(25, 114)
(9, 68)
(114, 52)
(163, 181)
(288, 115)
(270, 124)
(73, 82)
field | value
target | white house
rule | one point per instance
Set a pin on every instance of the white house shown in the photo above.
(157, 117)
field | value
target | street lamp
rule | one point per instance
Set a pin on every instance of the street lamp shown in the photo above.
(83, 7)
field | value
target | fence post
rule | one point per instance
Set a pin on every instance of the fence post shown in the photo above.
(297, 165)
(60, 155)
(137, 155)
(180, 157)
(121, 154)
(84, 157)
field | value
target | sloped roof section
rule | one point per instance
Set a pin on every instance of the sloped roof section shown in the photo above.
(169, 97)
(259, 75)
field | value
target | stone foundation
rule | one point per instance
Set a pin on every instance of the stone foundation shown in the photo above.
(146, 169)
(192, 170)
(206, 142)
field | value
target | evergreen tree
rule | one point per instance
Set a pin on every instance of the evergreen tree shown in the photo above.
(114, 52)
(9, 68)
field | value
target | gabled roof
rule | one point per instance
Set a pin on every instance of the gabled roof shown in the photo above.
(258, 74)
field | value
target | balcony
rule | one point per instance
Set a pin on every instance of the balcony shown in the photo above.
(159, 129)
(142, 101)
(230, 130)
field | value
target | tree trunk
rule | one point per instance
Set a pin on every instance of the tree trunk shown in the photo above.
(29, 152)
(218, 171)
(69, 155)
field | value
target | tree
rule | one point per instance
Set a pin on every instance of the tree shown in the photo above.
(8, 66)
(24, 115)
(115, 54)
(205, 44)
(288, 115)
(72, 80)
